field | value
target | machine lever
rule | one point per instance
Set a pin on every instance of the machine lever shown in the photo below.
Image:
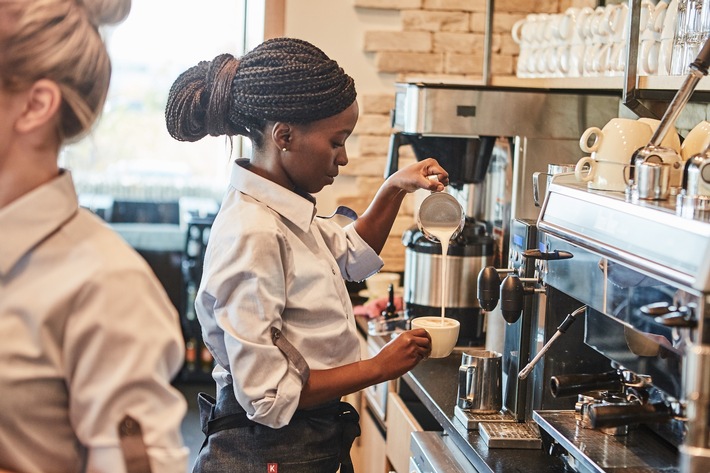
(560, 330)
(547, 256)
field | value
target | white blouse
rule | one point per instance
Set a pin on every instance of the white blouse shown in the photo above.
(271, 263)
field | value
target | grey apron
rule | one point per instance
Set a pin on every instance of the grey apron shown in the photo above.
(315, 441)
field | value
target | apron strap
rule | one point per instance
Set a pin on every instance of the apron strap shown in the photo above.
(134, 452)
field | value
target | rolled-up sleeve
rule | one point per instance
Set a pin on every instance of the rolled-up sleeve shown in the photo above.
(356, 259)
(121, 351)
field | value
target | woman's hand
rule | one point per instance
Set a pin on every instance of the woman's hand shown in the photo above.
(375, 224)
(404, 352)
(419, 175)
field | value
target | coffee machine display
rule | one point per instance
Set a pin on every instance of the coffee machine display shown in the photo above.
(643, 272)
(490, 141)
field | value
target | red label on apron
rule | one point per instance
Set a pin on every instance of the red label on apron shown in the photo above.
(272, 468)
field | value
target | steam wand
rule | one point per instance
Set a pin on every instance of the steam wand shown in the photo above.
(569, 320)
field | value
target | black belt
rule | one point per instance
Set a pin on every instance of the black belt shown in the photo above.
(341, 411)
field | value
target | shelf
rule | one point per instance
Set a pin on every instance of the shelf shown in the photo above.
(599, 83)
(587, 83)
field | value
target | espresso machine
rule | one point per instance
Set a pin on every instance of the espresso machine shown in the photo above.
(641, 271)
(490, 140)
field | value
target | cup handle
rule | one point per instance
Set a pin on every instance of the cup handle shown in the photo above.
(466, 376)
(515, 31)
(584, 139)
(536, 187)
(579, 169)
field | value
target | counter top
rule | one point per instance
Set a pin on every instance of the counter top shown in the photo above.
(434, 381)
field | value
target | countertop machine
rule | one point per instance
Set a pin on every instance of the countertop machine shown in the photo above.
(490, 141)
(641, 270)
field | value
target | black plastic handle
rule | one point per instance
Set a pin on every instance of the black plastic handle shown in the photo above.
(702, 62)
(566, 385)
(511, 298)
(488, 288)
(610, 415)
(547, 256)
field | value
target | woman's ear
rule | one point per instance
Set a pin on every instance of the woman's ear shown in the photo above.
(281, 134)
(41, 107)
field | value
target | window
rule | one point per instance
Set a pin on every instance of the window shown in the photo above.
(130, 155)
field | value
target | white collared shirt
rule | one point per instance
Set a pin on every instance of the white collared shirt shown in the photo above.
(271, 263)
(88, 336)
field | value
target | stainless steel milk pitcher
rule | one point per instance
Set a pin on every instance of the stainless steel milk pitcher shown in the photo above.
(480, 377)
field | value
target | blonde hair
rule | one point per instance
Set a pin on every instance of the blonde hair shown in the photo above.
(59, 40)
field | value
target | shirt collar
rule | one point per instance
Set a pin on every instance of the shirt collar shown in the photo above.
(300, 209)
(28, 220)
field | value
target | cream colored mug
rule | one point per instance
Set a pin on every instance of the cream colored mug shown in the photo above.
(611, 149)
(617, 141)
(443, 331)
(671, 140)
(697, 140)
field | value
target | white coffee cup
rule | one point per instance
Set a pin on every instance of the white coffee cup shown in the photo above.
(697, 140)
(665, 52)
(602, 175)
(611, 151)
(617, 141)
(444, 332)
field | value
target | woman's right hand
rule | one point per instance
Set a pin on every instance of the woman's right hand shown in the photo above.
(404, 352)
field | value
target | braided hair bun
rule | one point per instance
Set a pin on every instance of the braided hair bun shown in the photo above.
(283, 79)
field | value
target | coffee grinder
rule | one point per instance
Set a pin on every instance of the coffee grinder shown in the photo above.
(490, 140)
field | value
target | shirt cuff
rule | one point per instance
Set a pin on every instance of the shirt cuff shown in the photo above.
(368, 261)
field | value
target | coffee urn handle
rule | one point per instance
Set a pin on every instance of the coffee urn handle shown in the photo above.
(604, 416)
(573, 384)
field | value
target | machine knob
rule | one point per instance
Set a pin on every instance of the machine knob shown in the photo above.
(488, 288)
(512, 292)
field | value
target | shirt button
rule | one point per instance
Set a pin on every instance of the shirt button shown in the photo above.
(332, 269)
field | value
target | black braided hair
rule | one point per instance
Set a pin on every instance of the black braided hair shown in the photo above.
(282, 79)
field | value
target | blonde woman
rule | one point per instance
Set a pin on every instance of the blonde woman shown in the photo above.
(90, 341)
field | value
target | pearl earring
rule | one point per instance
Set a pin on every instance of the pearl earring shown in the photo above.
(284, 149)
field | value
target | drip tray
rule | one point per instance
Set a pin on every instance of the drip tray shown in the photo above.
(471, 420)
(500, 430)
(506, 435)
(592, 450)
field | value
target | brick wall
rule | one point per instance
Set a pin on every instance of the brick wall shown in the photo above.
(440, 40)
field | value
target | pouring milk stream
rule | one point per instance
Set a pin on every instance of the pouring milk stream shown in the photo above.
(441, 217)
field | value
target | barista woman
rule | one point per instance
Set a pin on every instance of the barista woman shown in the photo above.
(272, 303)
(90, 340)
